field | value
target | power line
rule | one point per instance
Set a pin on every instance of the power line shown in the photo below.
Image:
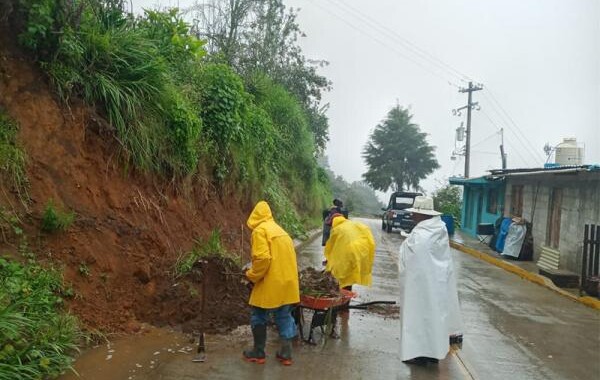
(384, 44)
(485, 139)
(383, 29)
(518, 151)
(511, 120)
(512, 130)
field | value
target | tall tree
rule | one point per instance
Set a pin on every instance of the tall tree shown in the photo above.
(397, 153)
(261, 36)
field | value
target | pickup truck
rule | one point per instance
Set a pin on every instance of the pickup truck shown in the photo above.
(395, 214)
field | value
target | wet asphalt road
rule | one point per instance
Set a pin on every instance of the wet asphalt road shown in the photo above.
(513, 330)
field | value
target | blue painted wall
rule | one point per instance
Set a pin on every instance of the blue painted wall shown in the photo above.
(483, 202)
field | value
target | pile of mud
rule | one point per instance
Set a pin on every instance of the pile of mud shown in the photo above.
(181, 303)
(318, 283)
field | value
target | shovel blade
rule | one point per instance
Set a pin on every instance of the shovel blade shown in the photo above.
(199, 358)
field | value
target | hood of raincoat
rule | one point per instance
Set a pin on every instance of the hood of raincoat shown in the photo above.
(337, 220)
(260, 214)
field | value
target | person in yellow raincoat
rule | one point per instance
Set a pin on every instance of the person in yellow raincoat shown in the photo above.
(274, 273)
(350, 252)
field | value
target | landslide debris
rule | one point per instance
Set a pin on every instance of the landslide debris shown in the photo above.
(318, 283)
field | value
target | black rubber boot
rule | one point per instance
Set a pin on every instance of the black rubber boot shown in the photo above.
(284, 355)
(421, 360)
(257, 354)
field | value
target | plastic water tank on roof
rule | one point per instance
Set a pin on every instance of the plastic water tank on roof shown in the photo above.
(568, 153)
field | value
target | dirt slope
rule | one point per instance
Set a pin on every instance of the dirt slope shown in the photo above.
(129, 229)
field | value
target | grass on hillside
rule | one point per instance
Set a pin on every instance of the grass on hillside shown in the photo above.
(12, 157)
(37, 338)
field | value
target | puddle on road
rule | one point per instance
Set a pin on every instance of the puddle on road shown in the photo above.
(130, 356)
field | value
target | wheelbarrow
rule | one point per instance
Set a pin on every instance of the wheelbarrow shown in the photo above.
(324, 310)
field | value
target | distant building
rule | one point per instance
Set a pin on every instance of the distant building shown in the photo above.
(558, 201)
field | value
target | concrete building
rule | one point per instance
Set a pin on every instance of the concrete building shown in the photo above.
(558, 201)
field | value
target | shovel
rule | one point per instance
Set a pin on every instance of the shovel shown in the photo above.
(200, 353)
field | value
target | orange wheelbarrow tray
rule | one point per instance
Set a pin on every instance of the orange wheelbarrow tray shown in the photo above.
(324, 311)
(326, 302)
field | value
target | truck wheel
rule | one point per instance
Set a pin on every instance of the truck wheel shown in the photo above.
(389, 228)
(383, 224)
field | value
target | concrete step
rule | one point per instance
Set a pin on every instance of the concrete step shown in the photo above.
(561, 278)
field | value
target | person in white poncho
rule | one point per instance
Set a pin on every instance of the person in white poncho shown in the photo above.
(429, 302)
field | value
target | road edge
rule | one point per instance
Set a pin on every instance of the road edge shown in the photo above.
(312, 235)
(529, 276)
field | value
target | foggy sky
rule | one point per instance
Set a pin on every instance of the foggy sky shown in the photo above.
(540, 59)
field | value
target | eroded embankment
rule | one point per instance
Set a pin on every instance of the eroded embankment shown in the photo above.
(129, 229)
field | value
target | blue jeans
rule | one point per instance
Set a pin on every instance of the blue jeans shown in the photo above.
(283, 319)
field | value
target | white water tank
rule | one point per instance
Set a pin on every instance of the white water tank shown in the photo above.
(568, 153)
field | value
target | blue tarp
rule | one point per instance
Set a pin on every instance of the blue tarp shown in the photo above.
(506, 222)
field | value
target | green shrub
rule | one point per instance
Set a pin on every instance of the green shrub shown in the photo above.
(222, 102)
(448, 201)
(211, 248)
(183, 129)
(172, 37)
(284, 211)
(41, 16)
(10, 224)
(37, 340)
(54, 220)
(12, 157)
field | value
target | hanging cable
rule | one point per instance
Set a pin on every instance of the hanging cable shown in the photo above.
(412, 47)
(495, 101)
(386, 45)
(518, 151)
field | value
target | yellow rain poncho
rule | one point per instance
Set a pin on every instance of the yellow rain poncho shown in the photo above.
(274, 271)
(350, 252)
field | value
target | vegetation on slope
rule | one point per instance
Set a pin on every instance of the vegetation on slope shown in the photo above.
(182, 113)
(37, 339)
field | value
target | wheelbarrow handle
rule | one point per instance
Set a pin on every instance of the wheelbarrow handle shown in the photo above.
(376, 303)
(365, 305)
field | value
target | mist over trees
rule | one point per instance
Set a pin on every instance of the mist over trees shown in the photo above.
(358, 197)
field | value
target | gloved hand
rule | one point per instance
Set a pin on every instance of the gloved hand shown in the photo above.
(245, 280)
(247, 283)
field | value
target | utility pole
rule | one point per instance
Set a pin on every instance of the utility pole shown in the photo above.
(502, 154)
(470, 105)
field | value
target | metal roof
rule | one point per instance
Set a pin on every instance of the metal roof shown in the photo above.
(498, 175)
(546, 170)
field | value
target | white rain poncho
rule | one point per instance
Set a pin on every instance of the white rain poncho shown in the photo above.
(429, 299)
